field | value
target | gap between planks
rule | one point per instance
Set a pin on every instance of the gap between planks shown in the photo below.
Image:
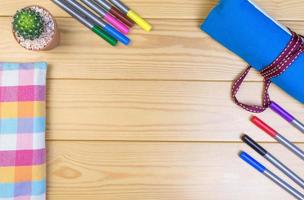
(164, 141)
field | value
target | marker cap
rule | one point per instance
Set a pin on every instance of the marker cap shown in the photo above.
(117, 24)
(116, 34)
(283, 113)
(121, 17)
(262, 125)
(251, 161)
(258, 148)
(139, 21)
(104, 35)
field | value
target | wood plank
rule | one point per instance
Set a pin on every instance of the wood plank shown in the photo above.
(157, 111)
(163, 171)
(194, 9)
(176, 50)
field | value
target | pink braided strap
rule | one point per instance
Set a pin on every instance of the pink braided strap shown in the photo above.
(291, 52)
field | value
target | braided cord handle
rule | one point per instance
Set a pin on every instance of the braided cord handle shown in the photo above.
(290, 53)
(251, 108)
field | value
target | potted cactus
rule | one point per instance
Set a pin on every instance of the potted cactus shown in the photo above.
(34, 28)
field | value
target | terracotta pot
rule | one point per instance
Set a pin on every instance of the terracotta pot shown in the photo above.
(51, 43)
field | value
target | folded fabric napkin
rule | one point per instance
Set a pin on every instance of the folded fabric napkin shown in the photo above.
(22, 131)
(245, 29)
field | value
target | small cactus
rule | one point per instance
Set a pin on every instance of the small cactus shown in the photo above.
(28, 24)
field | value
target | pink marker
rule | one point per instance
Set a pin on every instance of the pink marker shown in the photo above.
(107, 16)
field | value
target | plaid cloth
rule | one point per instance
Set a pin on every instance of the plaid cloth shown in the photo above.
(22, 131)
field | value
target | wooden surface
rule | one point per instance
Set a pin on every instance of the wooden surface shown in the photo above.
(153, 121)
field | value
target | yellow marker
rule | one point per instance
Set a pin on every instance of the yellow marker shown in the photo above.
(132, 15)
(139, 21)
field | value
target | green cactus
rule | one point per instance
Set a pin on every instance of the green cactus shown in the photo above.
(28, 24)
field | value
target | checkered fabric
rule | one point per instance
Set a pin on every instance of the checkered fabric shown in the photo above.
(22, 131)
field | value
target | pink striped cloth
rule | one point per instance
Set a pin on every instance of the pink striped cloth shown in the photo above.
(22, 131)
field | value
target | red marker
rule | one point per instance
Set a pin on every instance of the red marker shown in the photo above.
(273, 133)
(114, 11)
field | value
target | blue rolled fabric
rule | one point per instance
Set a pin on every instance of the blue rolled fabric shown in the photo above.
(245, 29)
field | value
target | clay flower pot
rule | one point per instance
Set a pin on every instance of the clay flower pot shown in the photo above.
(34, 28)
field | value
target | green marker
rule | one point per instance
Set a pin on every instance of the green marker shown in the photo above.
(96, 29)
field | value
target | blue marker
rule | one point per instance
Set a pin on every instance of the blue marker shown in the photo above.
(273, 160)
(106, 27)
(261, 168)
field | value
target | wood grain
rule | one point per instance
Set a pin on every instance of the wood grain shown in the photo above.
(176, 9)
(157, 111)
(154, 120)
(176, 50)
(163, 171)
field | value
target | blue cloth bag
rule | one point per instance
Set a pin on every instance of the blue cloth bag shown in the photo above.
(245, 29)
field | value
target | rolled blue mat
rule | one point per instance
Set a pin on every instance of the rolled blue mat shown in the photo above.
(245, 29)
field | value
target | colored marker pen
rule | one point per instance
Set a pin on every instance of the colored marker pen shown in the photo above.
(106, 16)
(270, 131)
(273, 177)
(132, 15)
(115, 12)
(287, 116)
(96, 29)
(273, 160)
(107, 28)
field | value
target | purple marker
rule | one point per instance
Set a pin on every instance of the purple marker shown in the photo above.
(287, 116)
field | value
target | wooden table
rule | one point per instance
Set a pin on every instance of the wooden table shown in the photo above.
(153, 121)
